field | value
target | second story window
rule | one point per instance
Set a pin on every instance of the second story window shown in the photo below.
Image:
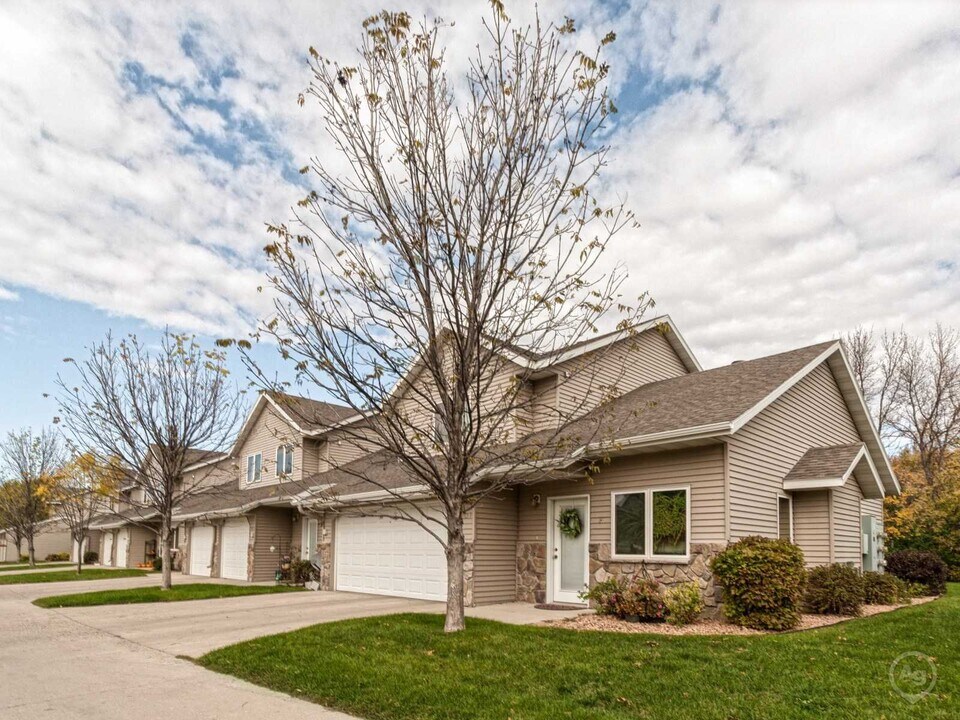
(284, 460)
(254, 467)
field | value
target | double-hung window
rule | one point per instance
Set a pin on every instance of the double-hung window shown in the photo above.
(284, 460)
(651, 524)
(254, 468)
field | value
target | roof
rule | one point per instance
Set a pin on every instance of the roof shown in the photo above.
(311, 415)
(831, 467)
(229, 498)
(196, 456)
(128, 516)
(824, 462)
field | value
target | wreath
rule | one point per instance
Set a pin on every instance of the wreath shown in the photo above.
(570, 523)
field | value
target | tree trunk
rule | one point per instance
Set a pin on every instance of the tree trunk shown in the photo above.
(456, 553)
(79, 555)
(166, 580)
(31, 553)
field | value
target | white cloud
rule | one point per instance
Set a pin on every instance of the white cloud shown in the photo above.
(794, 174)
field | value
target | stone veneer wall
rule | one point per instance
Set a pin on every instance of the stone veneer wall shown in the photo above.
(532, 571)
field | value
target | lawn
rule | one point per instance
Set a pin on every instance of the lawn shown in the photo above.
(178, 593)
(24, 566)
(67, 575)
(404, 667)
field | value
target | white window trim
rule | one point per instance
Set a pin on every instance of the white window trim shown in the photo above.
(278, 471)
(784, 496)
(648, 525)
(252, 476)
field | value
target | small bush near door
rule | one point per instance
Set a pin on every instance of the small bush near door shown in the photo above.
(639, 599)
(684, 604)
(835, 590)
(920, 566)
(762, 581)
(57, 557)
(90, 557)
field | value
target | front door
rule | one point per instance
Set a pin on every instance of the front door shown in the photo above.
(569, 558)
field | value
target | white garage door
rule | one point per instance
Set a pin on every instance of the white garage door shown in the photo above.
(233, 549)
(201, 550)
(107, 558)
(389, 557)
(123, 543)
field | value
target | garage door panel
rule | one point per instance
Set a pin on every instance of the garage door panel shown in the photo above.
(233, 549)
(389, 557)
(201, 549)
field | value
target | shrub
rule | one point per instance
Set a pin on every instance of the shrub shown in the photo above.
(604, 596)
(158, 563)
(57, 557)
(301, 571)
(684, 604)
(919, 566)
(24, 558)
(762, 581)
(884, 589)
(642, 598)
(90, 557)
(834, 590)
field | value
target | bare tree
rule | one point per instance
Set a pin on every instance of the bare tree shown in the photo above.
(913, 388)
(32, 460)
(466, 230)
(79, 492)
(147, 410)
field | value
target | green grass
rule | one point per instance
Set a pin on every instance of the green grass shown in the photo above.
(404, 667)
(67, 575)
(24, 566)
(178, 593)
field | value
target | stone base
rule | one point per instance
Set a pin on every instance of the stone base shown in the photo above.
(531, 572)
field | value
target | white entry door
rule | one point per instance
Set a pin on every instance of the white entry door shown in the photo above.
(123, 544)
(233, 549)
(201, 549)
(569, 562)
(384, 556)
(107, 558)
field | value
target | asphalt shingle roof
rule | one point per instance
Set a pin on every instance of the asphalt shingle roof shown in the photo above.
(823, 463)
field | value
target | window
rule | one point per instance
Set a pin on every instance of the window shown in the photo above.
(651, 524)
(284, 460)
(785, 518)
(254, 466)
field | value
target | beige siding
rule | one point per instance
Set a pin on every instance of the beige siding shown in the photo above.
(343, 446)
(874, 508)
(495, 550)
(269, 431)
(847, 536)
(588, 380)
(210, 475)
(810, 414)
(139, 537)
(544, 403)
(701, 468)
(811, 525)
(50, 543)
(271, 527)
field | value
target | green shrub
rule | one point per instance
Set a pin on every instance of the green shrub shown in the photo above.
(884, 589)
(762, 581)
(301, 571)
(834, 590)
(684, 604)
(920, 566)
(915, 590)
(158, 563)
(24, 558)
(604, 596)
(90, 557)
(642, 599)
(57, 557)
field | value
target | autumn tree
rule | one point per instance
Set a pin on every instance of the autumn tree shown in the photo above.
(31, 460)
(146, 409)
(456, 221)
(79, 492)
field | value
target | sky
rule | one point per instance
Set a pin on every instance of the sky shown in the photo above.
(794, 166)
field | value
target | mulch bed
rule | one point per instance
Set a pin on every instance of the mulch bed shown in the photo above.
(606, 623)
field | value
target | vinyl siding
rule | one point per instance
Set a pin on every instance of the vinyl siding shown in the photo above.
(811, 525)
(50, 543)
(846, 523)
(138, 541)
(271, 527)
(615, 369)
(811, 414)
(269, 431)
(543, 404)
(701, 468)
(495, 550)
(210, 475)
(874, 508)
